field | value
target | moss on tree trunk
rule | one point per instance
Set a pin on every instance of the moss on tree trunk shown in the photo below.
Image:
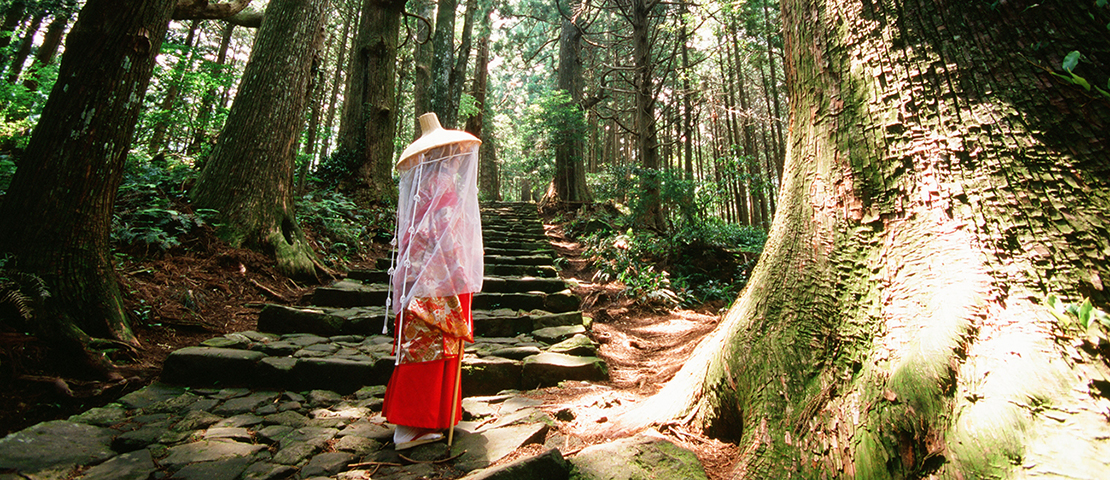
(940, 183)
(249, 176)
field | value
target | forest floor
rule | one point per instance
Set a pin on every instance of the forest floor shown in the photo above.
(207, 289)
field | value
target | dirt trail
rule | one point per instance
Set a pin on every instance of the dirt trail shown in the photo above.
(643, 348)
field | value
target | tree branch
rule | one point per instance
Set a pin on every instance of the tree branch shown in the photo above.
(201, 9)
(246, 19)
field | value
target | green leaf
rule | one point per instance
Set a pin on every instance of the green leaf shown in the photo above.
(1101, 3)
(1071, 60)
(1085, 313)
(1082, 82)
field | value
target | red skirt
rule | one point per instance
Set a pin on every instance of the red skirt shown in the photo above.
(420, 394)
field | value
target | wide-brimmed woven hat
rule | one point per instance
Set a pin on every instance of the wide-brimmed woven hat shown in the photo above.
(432, 135)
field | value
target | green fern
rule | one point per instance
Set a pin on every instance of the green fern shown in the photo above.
(20, 290)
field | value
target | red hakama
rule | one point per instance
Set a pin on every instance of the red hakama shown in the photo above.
(421, 389)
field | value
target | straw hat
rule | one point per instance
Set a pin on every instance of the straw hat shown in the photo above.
(432, 135)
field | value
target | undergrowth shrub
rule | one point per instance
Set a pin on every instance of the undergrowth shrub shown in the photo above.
(151, 212)
(700, 262)
(342, 229)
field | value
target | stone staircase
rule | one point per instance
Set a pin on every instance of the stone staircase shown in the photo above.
(529, 331)
(300, 398)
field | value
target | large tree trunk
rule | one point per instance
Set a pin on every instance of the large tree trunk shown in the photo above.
(443, 59)
(249, 176)
(57, 212)
(370, 113)
(422, 63)
(940, 183)
(569, 181)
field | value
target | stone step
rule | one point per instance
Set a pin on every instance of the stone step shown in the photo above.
(531, 244)
(345, 363)
(532, 259)
(325, 321)
(523, 229)
(558, 302)
(548, 294)
(493, 253)
(521, 284)
(494, 270)
(541, 271)
(513, 249)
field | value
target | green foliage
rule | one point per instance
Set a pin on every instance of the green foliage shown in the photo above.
(341, 228)
(20, 107)
(1081, 319)
(339, 165)
(1071, 61)
(19, 292)
(551, 119)
(630, 258)
(151, 209)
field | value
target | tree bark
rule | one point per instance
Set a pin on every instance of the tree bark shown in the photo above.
(336, 81)
(570, 174)
(201, 9)
(57, 212)
(687, 100)
(489, 185)
(647, 142)
(940, 183)
(315, 97)
(422, 61)
(443, 58)
(370, 114)
(248, 178)
(457, 79)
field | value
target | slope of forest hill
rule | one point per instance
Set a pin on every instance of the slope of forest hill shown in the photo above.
(201, 288)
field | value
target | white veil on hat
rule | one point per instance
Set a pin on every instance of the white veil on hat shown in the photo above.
(438, 242)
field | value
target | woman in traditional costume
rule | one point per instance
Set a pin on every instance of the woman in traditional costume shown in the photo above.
(437, 268)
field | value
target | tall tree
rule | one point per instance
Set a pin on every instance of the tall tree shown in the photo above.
(569, 182)
(337, 76)
(639, 15)
(443, 59)
(422, 62)
(370, 112)
(173, 90)
(942, 180)
(248, 178)
(489, 184)
(57, 211)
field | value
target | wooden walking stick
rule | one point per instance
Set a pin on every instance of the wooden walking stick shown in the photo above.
(455, 398)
